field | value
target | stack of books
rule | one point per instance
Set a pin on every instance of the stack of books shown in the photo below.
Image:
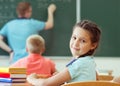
(5, 75)
(5, 79)
(13, 76)
(18, 75)
(4, 69)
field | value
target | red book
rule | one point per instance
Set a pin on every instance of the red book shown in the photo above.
(4, 75)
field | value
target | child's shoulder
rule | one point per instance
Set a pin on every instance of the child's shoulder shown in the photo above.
(48, 60)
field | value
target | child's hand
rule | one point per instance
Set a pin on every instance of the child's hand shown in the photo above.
(42, 76)
(52, 8)
(33, 75)
(55, 73)
(33, 79)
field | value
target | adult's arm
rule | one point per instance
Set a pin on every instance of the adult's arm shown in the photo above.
(50, 21)
(4, 46)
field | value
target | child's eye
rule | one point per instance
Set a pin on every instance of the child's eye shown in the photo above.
(82, 41)
(73, 37)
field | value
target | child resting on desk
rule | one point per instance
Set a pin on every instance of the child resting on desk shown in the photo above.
(84, 41)
(35, 62)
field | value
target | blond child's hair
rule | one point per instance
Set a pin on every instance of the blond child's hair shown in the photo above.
(35, 44)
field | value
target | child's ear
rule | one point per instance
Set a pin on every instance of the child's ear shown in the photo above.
(94, 45)
(43, 50)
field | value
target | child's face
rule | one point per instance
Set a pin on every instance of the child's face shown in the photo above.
(80, 42)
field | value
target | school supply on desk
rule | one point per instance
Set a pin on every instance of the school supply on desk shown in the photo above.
(17, 70)
(4, 75)
(4, 69)
(8, 80)
(13, 76)
(18, 75)
(105, 75)
(18, 80)
(8, 75)
(13, 80)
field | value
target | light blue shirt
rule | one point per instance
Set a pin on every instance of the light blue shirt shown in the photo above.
(17, 31)
(83, 69)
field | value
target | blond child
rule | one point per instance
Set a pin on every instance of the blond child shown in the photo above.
(83, 43)
(35, 62)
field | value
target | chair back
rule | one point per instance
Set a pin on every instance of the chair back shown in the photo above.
(92, 83)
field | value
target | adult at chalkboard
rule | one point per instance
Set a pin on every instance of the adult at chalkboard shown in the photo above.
(17, 31)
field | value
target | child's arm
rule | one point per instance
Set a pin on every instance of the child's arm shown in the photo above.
(41, 76)
(55, 80)
(56, 71)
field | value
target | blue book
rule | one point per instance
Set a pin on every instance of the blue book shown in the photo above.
(8, 80)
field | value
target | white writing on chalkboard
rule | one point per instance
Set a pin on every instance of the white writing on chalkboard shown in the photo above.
(8, 7)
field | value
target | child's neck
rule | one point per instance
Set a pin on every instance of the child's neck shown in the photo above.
(84, 55)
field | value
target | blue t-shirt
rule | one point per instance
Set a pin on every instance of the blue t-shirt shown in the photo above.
(17, 31)
(83, 69)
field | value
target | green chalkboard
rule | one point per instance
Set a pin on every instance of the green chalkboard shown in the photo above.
(57, 40)
(106, 13)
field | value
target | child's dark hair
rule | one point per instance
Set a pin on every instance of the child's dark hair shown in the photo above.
(22, 8)
(94, 31)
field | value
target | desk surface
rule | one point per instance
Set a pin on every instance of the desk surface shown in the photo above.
(15, 84)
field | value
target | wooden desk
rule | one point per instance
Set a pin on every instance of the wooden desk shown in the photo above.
(15, 84)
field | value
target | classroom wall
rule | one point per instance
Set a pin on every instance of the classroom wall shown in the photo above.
(110, 63)
(106, 13)
(64, 19)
